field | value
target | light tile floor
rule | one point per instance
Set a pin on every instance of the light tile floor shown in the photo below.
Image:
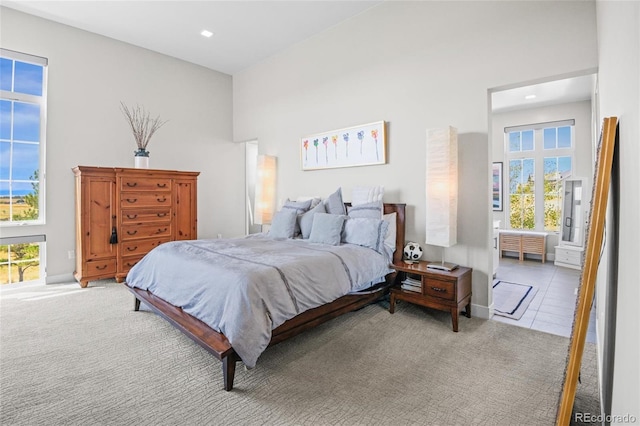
(553, 307)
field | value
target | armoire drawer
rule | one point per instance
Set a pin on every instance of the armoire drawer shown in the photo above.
(136, 232)
(145, 215)
(134, 183)
(140, 247)
(144, 199)
(100, 267)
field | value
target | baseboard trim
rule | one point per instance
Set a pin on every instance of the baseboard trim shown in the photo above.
(59, 279)
(479, 311)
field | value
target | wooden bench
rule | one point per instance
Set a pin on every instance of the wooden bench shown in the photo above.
(523, 242)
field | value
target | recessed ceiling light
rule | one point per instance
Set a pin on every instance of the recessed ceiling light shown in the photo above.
(530, 97)
(206, 33)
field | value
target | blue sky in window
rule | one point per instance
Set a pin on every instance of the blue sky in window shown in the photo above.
(19, 126)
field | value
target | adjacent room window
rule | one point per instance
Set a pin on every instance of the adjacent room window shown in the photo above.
(22, 129)
(540, 158)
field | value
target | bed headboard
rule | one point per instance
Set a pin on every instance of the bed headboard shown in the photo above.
(399, 209)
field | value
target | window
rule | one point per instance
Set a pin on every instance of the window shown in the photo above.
(20, 259)
(22, 118)
(545, 151)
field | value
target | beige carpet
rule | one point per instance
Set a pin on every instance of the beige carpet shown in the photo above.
(85, 357)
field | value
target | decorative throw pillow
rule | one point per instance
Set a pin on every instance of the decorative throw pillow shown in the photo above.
(283, 224)
(327, 228)
(305, 220)
(314, 200)
(371, 210)
(366, 232)
(334, 203)
(299, 207)
(366, 194)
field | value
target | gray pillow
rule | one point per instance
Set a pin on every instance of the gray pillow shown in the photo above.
(334, 203)
(371, 210)
(305, 220)
(283, 224)
(327, 228)
(366, 232)
(299, 207)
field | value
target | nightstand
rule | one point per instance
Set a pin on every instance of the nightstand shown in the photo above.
(446, 291)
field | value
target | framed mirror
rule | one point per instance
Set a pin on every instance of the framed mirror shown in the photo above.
(572, 213)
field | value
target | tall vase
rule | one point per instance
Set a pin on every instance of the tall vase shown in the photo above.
(141, 159)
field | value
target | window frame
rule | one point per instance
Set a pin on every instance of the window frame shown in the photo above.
(538, 154)
(42, 102)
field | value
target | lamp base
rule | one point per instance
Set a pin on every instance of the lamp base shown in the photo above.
(442, 266)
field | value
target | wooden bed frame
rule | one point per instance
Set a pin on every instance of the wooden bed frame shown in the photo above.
(218, 345)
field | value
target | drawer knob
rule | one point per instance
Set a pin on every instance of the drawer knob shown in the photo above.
(161, 214)
(160, 231)
(132, 216)
(132, 184)
(132, 232)
(131, 200)
(161, 200)
(162, 185)
(100, 268)
(132, 248)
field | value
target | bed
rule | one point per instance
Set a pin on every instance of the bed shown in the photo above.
(286, 315)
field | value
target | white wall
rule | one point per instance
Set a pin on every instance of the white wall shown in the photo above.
(583, 165)
(88, 77)
(416, 65)
(619, 83)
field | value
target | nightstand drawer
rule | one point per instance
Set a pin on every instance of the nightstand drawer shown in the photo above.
(439, 288)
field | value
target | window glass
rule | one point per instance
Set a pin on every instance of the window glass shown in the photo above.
(26, 160)
(514, 141)
(564, 137)
(527, 140)
(28, 78)
(19, 263)
(26, 122)
(5, 119)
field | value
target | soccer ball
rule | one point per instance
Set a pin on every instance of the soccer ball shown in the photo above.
(412, 251)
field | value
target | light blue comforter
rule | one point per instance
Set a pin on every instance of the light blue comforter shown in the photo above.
(246, 287)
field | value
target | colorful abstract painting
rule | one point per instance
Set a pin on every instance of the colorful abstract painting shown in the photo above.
(363, 145)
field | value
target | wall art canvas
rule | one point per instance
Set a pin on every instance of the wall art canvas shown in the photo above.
(362, 145)
(496, 186)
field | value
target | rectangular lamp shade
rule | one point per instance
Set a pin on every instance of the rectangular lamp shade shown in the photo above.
(442, 186)
(265, 201)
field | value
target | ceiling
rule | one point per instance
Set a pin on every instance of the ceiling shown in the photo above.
(571, 89)
(246, 33)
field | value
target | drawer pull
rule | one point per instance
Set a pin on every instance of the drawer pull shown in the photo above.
(132, 185)
(131, 200)
(161, 185)
(161, 200)
(132, 232)
(130, 264)
(100, 268)
(132, 249)
(438, 289)
(161, 214)
(160, 231)
(132, 216)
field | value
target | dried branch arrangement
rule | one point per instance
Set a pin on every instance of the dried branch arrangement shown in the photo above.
(141, 123)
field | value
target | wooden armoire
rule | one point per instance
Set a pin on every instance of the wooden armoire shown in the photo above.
(121, 214)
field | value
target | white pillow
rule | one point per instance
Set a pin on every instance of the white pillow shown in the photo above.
(366, 194)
